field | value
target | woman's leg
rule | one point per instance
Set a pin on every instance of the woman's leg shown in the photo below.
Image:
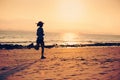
(42, 51)
(37, 46)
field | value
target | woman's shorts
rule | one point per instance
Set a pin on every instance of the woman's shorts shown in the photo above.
(40, 40)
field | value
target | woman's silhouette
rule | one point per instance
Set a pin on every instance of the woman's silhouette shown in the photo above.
(40, 38)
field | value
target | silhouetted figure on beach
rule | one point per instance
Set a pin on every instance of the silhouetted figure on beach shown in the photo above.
(40, 38)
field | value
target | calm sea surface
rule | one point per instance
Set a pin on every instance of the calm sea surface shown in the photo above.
(25, 38)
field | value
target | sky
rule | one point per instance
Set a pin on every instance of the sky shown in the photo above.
(83, 16)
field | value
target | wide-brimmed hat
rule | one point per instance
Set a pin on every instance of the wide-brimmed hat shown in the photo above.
(39, 23)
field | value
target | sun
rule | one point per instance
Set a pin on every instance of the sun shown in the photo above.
(70, 10)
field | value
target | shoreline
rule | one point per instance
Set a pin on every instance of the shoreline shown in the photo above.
(29, 46)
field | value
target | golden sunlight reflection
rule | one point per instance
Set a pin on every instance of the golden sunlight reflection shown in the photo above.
(69, 38)
(43, 73)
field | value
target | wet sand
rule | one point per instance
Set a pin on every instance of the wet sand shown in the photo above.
(85, 63)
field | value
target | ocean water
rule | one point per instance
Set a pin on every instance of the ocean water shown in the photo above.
(25, 38)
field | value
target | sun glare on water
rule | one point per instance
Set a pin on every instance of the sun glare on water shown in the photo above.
(69, 38)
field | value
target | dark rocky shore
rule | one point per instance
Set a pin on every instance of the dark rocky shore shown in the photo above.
(95, 44)
(17, 46)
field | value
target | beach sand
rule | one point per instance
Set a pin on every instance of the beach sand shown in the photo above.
(84, 63)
